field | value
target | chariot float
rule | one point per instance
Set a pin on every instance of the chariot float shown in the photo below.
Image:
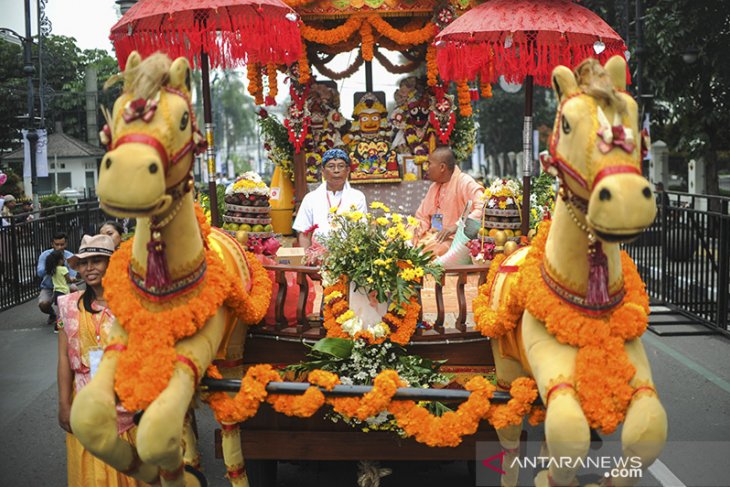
(365, 380)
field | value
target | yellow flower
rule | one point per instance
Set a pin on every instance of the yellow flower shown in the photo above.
(370, 280)
(377, 205)
(349, 314)
(333, 209)
(382, 221)
(356, 249)
(391, 232)
(355, 216)
(397, 218)
(413, 222)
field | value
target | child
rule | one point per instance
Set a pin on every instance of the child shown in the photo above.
(56, 268)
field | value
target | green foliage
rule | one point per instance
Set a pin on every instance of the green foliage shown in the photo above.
(276, 142)
(234, 111)
(13, 102)
(357, 363)
(464, 137)
(542, 197)
(52, 200)
(375, 252)
(205, 199)
(13, 185)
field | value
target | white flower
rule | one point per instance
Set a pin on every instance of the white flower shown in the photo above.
(346, 381)
(352, 326)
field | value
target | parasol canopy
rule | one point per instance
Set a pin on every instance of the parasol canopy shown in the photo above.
(517, 38)
(230, 32)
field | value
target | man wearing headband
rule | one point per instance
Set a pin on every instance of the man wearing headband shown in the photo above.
(313, 217)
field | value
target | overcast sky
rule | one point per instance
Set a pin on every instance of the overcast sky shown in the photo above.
(89, 22)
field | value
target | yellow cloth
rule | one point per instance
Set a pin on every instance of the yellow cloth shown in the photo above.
(59, 280)
(85, 470)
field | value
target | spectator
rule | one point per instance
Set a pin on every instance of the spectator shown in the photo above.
(56, 268)
(85, 323)
(7, 203)
(114, 229)
(45, 298)
(28, 208)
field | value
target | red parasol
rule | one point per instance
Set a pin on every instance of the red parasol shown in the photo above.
(526, 37)
(217, 33)
(523, 40)
(230, 32)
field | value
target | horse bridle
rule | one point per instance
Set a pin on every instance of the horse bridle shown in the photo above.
(181, 187)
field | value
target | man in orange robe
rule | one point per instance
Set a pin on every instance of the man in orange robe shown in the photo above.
(445, 202)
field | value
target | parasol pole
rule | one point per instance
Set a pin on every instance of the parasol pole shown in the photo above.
(527, 153)
(368, 76)
(210, 152)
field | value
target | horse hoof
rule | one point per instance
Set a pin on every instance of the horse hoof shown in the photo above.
(194, 477)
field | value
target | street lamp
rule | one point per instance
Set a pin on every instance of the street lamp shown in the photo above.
(29, 71)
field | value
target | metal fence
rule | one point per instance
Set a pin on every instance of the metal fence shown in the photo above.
(684, 258)
(23, 240)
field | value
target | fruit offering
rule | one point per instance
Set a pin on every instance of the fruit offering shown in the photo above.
(247, 215)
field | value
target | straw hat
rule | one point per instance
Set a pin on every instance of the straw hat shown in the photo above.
(91, 246)
(9, 198)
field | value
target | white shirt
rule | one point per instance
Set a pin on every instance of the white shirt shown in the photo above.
(316, 205)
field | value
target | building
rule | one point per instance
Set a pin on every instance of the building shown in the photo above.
(72, 163)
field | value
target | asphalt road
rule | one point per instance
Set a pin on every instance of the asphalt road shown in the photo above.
(692, 375)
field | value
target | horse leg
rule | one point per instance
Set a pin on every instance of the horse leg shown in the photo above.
(508, 369)
(566, 429)
(191, 456)
(645, 427)
(94, 419)
(159, 436)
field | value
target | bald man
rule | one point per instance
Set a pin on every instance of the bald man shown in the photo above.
(445, 201)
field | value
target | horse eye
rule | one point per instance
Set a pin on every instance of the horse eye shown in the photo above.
(184, 121)
(566, 125)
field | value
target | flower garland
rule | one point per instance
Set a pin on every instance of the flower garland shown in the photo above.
(367, 41)
(418, 36)
(146, 365)
(273, 85)
(254, 81)
(305, 74)
(395, 326)
(462, 90)
(431, 66)
(436, 431)
(602, 368)
(392, 68)
(335, 75)
(486, 89)
(329, 37)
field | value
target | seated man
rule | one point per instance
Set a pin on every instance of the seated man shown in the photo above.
(445, 201)
(335, 192)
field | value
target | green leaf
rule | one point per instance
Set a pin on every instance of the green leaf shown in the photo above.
(336, 347)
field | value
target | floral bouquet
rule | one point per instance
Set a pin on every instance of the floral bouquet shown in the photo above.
(373, 253)
(542, 198)
(481, 250)
(503, 194)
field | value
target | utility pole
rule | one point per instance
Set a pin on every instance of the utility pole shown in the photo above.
(32, 136)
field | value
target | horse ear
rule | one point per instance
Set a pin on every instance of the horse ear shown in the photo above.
(180, 74)
(133, 60)
(616, 69)
(564, 82)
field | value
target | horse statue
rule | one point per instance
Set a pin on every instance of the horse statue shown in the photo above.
(569, 309)
(182, 294)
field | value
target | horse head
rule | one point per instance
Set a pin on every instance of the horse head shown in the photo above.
(596, 150)
(152, 136)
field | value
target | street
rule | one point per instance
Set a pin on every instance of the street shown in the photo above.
(692, 375)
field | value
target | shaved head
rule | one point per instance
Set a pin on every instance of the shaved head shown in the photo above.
(446, 155)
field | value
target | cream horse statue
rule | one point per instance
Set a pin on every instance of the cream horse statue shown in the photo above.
(569, 310)
(180, 300)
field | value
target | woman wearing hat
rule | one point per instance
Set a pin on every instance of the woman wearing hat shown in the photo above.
(84, 322)
(334, 192)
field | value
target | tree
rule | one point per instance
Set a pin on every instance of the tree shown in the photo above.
(692, 101)
(13, 93)
(235, 113)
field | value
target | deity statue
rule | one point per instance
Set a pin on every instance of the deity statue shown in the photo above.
(414, 134)
(369, 142)
(326, 122)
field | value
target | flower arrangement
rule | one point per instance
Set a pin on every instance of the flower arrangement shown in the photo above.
(503, 194)
(481, 250)
(463, 138)
(279, 149)
(374, 251)
(542, 198)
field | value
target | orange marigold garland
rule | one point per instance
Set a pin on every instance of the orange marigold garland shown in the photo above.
(305, 73)
(273, 85)
(496, 323)
(368, 41)
(329, 37)
(253, 73)
(486, 89)
(385, 386)
(464, 96)
(147, 364)
(418, 36)
(524, 393)
(602, 369)
(402, 324)
(245, 404)
(431, 66)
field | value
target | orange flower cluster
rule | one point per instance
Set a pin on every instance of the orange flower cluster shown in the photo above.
(368, 41)
(431, 66)
(245, 404)
(305, 74)
(444, 431)
(403, 325)
(602, 369)
(486, 89)
(537, 415)
(255, 85)
(385, 386)
(273, 85)
(462, 91)
(146, 366)
(413, 37)
(329, 37)
(496, 323)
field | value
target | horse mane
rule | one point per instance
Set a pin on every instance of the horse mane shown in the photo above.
(145, 79)
(593, 80)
